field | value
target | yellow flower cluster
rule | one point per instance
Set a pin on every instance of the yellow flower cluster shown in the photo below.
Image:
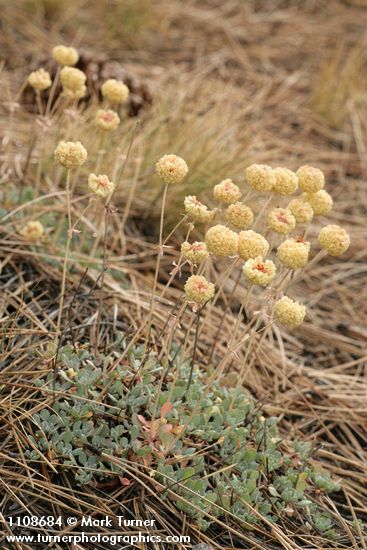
(65, 55)
(107, 120)
(73, 82)
(221, 241)
(70, 153)
(100, 185)
(281, 220)
(115, 91)
(196, 210)
(226, 192)
(258, 271)
(310, 179)
(40, 80)
(251, 245)
(289, 313)
(195, 253)
(293, 253)
(239, 215)
(301, 210)
(320, 202)
(32, 231)
(171, 169)
(334, 239)
(260, 177)
(286, 181)
(199, 290)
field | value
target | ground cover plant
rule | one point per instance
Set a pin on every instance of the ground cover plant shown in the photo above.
(182, 320)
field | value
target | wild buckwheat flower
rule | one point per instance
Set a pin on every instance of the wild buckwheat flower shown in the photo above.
(70, 153)
(321, 202)
(65, 55)
(286, 181)
(78, 93)
(334, 239)
(251, 245)
(107, 120)
(100, 185)
(115, 91)
(239, 215)
(171, 169)
(258, 271)
(260, 177)
(32, 231)
(289, 313)
(196, 210)
(293, 253)
(281, 220)
(198, 290)
(310, 179)
(221, 241)
(196, 253)
(301, 210)
(226, 192)
(40, 79)
(72, 79)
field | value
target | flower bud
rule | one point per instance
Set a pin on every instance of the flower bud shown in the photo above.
(293, 253)
(171, 169)
(281, 220)
(286, 181)
(196, 253)
(289, 313)
(310, 179)
(321, 202)
(260, 177)
(115, 91)
(72, 79)
(334, 239)
(100, 185)
(258, 271)
(107, 120)
(70, 153)
(32, 231)
(40, 80)
(301, 210)
(65, 55)
(251, 245)
(226, 192)
(239, 215)
(221, 241)
(196, 210)
(199, 290)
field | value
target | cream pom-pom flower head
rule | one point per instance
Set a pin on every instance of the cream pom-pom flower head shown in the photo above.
(100, 185)
(251, 245)
(199, 290)
(65, 55)
(226, 192)
(107, 119)
(258, 271)
(286, 181)
(195, 253)
(40, 79)
(293, 253)
(171, 169)
(221, 241)
(115, 91)
(289, 313)
(196, 210)
(320, 202)
(70, 153)
(281, 220)
(260, 177)
(32, 231)
(310, 179)
(240, 215)
(72, 79)
(334, 239)
(301, 210)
